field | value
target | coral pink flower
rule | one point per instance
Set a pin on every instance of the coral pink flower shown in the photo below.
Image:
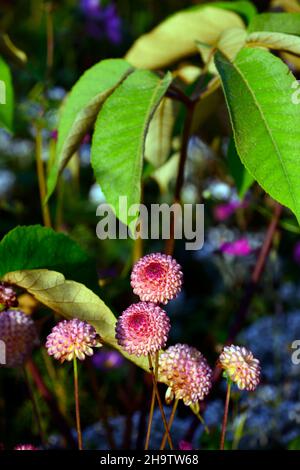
(239, 247)
(185, 370)
(19, 335)
(8, 296)
(240, 366)
(143, 329)
(156, 278)
(72, 339)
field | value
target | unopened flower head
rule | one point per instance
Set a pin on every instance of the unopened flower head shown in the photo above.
(25, 447)
(185, 370)
(156, 278)
(8, 296)
(241, 367)
(143, 329)
(19, 335)
(71, 339)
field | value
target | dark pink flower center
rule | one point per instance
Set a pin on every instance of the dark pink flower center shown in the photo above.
(137, 321)
(154, 270)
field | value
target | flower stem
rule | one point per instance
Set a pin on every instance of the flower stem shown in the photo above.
(154, 379)
(225, 418)
(76, 394)
(41, 177)
(171, 419)
(150, 418)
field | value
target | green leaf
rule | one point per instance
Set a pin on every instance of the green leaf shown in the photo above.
(81, 108)
(34, 247)
(72, 300)
(175, 37)
(276, 41)
(258, 88)
(120, 133)
(246, 9)
(159, 135)
(6, 97)
(242, 178)
(276, 22)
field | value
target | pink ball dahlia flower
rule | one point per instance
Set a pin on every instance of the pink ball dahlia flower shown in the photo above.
(156, 278)
(71, 339)
(240, 366)
(185, 370)
(143, 329)
(18, 337)
(8, 297)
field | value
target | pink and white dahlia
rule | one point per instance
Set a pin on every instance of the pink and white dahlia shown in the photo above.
(143, 329)
(186, 371)
(8, 297)
(71, 339)
(156, 278)
(18, 337)
(240, 366)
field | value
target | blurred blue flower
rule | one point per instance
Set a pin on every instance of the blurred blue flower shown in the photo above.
(107, 360)
(102, 20)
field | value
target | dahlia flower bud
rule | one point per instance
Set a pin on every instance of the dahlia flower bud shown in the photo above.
(19, 336)
(240, 366)
(25, 447)
(185, 370)
(143, 329)
(156, 278)
(8, 297)
(71, 339)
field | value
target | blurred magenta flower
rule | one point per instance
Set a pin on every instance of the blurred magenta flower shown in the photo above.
(105, 360)
(224, 211)
(25, 447)
(102, 20)
(185, 445)
(239, 247)
(296, 254)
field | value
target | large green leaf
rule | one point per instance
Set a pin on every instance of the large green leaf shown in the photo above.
(276, 22)
(6, 97)
(33, 247)
(242, 178)
(81, 108)
(258, 88)
(71, 300)
(276, 41)
(175, 37)
(244, 8)
(120, 133)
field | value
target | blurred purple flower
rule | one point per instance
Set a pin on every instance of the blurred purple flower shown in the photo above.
(107, 360)
(223, 211)
(185, 445)
(296, 254)
(102, 20)
(239, 247)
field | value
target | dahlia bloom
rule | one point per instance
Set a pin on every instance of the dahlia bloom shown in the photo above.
(25, 447)
(18, 336)
(71, 339)
(185, 370)
(240, 366)
(8, 296)
(143, 329)
(156, 278)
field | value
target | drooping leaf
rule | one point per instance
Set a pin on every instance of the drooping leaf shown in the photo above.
(6, 97)
(34, 247)
(71, 300)
(166, 173)
(81, 108)
(276, 22)
(276, 41)
(242, 178)
(120, 133)
(159, 135)
(175, 37)
(258, 88)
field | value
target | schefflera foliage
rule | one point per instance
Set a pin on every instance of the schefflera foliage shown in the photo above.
(119, 100)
